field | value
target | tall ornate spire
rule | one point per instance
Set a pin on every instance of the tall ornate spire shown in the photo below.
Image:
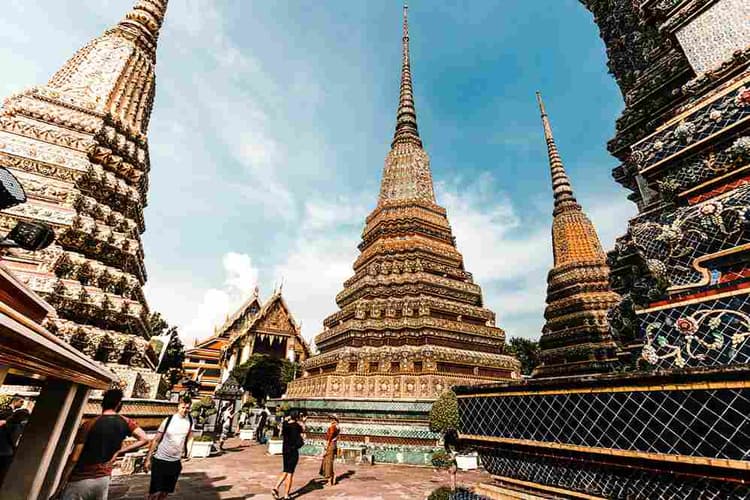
(573, 235)
(563, 192)
(406, 175)
(576, 337)
(406, 116)
(146, 17)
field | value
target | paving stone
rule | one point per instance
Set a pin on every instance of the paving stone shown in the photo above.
(247, 471)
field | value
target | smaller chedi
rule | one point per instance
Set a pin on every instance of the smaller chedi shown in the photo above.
(576, 338)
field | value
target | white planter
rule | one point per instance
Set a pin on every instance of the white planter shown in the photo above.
(466, 462)
(247, 434)
(274, 446)
(201, 449)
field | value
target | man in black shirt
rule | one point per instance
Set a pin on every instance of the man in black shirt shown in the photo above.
(98, 443)
(291, 433)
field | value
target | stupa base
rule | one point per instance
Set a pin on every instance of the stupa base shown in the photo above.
(372, 430)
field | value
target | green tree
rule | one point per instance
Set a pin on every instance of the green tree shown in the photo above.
(527, 352)
(444, 412)
(175, 353)
(264, 376)
(289, 371)
(202, 409)
(174, 356)
(157, 325)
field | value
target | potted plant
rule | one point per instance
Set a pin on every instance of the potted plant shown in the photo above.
(247, 417)
(441, 460)
(201, 411)
(467, 460)
(275, 441)
(201, 447)
(444, 419)
(445, 493)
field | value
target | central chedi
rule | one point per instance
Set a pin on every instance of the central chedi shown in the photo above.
(411, 322)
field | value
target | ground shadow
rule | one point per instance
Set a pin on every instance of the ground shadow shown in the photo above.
(312, 485)
(191, 485)
(345, 475)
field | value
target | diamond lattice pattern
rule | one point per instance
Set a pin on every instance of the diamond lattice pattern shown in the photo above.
(707, 423)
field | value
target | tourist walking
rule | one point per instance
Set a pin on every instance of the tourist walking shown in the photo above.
(12, 423)
(167, 449)
(291, 434)
(98, 444)
(227, 414)
(260, 429)
(332, 435)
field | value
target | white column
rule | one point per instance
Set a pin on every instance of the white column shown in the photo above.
(39, 441)
(67, 439)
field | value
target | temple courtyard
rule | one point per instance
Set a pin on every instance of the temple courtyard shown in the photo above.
(247, 471)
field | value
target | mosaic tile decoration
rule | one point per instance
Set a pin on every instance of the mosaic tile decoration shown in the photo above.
(703, 423)
(375, 429)
(711, 333)
(701, 123)
(715, 161)
(608, 482)
(714, 35)
(360, 405)
(672, 245)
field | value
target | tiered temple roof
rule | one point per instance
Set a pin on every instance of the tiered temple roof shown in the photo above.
(269, 330)
(78, 146)
(202, 362)
(576, 337)
(411, 321)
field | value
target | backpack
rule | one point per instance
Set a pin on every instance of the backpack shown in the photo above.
(190, 420)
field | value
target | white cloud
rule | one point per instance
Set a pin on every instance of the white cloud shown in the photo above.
(197, 312)
(510, 255)
(231, 98)
(321, 259)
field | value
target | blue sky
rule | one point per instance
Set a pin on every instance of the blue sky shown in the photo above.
(273, 118)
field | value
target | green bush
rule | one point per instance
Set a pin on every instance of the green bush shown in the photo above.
(441, 459)
(444, 412)
(445, 493)
(203, 438)
(442, 493)
(283, 409)
(202, 409)
(248, 405)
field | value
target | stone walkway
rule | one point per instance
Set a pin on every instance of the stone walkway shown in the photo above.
(246, 471)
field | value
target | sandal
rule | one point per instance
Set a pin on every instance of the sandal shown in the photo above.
(275, 493)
